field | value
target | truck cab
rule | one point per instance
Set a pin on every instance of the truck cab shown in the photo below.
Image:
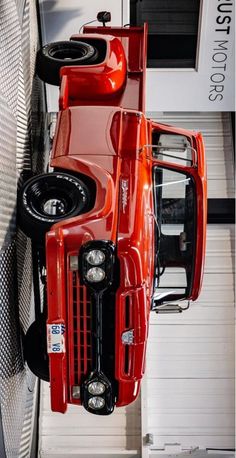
(122, 208)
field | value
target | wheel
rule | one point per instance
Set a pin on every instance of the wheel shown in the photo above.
(35, 349)
(53, 56)
(47, 199)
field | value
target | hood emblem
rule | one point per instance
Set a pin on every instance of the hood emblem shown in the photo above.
(128, 337)
(124, 194)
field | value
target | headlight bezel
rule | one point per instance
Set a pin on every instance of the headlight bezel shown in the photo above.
(107, 395)
(108, 248)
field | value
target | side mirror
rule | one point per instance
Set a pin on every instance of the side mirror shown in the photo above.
(104, 16)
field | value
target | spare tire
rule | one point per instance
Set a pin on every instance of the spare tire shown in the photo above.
(53, 56)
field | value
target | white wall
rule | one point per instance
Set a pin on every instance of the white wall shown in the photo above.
(83, 435)
(189, 388)
(62, 18)
(188, 393)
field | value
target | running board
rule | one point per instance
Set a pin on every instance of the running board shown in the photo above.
(169, 308)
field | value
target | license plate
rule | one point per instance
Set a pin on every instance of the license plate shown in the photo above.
(56, 338)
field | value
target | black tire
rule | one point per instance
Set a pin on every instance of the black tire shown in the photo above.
(47, 199)
(53, 56)
(35, 349)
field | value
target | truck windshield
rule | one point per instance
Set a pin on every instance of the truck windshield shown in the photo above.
(175, 215)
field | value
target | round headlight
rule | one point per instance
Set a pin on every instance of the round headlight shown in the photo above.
(95, 257)
(96, 388)
(96, 403)
(95, 274)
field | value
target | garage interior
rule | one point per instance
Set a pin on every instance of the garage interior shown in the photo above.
(187, 403)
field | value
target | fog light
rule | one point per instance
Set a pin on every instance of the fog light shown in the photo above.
(96, 388)
(95, 257)
(96, 403)
(95, 274)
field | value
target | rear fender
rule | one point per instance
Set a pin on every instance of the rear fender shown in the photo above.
(95, 82)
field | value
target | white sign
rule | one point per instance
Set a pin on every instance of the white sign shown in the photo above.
(210, 86)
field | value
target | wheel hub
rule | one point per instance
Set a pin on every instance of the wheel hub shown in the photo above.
(54, 207)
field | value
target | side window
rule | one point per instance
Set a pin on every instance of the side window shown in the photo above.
(174, 189)
(172, 148)
(174, 281)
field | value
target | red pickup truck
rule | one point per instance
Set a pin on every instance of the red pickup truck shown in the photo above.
(118, 222)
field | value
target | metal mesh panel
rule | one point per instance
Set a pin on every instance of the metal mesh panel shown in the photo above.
(18, 27)
(13, 386)
(7, 172)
